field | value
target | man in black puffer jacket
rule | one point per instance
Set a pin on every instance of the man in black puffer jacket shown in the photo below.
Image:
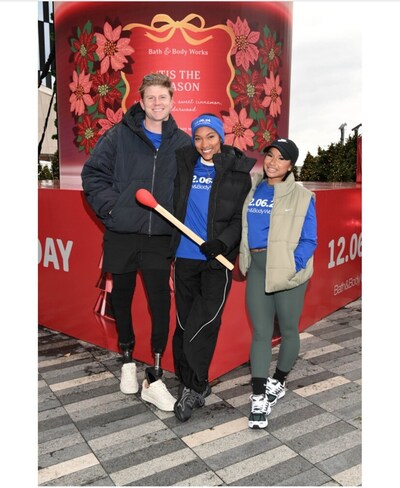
(138, 152)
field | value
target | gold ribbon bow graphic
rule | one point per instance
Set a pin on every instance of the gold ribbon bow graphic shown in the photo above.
(183, 25)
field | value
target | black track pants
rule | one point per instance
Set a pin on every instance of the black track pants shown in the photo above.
(200, 295)
(156, 284)
(124, 256)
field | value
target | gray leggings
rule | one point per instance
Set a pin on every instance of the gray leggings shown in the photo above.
(262, 307)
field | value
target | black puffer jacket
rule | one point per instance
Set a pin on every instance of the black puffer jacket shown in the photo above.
(229, 189)
(123, 161)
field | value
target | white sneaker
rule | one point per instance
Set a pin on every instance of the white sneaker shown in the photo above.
(157, 394)
(260, 408)
(274, 390)
(129, 383)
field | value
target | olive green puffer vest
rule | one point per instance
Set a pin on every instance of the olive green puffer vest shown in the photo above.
(291, 202)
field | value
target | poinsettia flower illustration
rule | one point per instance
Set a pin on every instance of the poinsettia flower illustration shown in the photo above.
(244, 49)
(104, 87)
(236, 128)
(85, 48)
(80, 88)
(112, 48)
(249, 89)
(88, 133)
(272, 91)
(270, 53)
(266, 133)
(112, 119)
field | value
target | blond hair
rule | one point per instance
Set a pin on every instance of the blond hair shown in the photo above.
(157, 79)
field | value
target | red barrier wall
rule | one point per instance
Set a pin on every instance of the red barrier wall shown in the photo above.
(70, 248)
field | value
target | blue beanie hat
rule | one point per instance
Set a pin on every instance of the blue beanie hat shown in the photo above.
(211, 121)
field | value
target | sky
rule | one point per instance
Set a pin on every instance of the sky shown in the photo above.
(326, 73)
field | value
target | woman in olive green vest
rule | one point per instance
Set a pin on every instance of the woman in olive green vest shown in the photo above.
(279, 237)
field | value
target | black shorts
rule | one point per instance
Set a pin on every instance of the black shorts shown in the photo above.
(124, 253)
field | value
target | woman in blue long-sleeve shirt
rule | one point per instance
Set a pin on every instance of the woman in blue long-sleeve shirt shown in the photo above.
(279, 238)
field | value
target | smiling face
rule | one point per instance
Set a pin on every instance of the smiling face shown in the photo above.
(275, 166)
(157, 104)
(207, 142)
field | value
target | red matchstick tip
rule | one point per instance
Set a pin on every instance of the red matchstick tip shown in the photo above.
(146, 198)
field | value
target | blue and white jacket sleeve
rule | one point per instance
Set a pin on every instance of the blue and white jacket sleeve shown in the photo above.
(308, 238)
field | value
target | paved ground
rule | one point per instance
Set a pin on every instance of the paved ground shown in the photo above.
(92, 434)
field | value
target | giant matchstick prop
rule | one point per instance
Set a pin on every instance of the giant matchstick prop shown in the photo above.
(146, 198)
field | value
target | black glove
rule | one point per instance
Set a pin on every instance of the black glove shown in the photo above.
(213, 248)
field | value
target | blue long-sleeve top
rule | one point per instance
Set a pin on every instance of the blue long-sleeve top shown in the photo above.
(258, 219)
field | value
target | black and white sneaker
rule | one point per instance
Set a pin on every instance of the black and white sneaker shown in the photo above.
(260, 408)
(188, 400)
(274, 390)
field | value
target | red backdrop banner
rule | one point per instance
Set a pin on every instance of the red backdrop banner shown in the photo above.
(232, 59)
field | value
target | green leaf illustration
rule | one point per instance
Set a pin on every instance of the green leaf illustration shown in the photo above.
(91, 109)
(88, 27)
(121, 87)
(72, 40)
(266, 31)
(91, 67)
